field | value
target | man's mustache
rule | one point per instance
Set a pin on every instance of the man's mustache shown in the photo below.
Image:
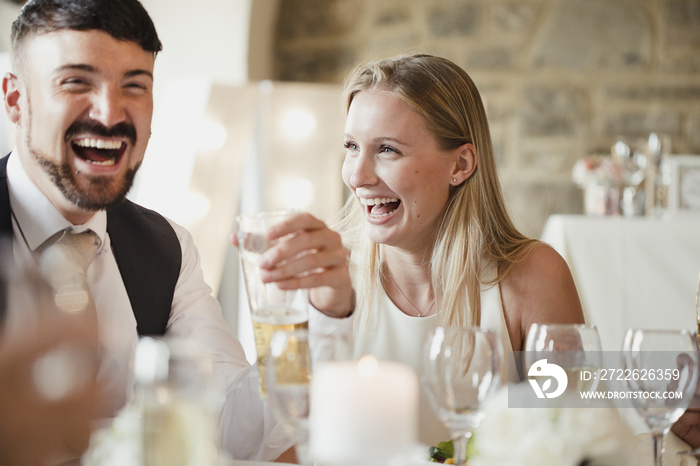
(125, 130)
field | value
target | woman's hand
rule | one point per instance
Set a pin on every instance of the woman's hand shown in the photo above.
(688, 426)
(309, 255)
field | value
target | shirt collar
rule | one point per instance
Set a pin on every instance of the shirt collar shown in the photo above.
(38, 219)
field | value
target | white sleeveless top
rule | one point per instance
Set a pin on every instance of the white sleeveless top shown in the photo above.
(394, 336)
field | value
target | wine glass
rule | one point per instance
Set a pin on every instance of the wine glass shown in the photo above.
(460, 368)
(575, 348)
(291, 358)
(663, 372)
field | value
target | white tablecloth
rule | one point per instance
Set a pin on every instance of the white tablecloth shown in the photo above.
(630, 272)
(254, 463)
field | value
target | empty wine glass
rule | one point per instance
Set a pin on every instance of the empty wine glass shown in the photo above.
(575, 348)
(661, 369)
(460, 368)
(291, 358)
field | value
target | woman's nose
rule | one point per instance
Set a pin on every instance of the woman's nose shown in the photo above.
(363, 171)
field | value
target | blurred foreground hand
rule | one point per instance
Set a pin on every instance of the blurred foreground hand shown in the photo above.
(43, 420)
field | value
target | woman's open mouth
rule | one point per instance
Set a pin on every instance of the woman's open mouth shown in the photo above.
(102, 152)
(379, 207)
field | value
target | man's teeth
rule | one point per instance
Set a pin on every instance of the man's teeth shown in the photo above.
(106, 163)
(377, 200)
(98, 144)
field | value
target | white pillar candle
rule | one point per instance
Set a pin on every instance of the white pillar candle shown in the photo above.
(362, 411)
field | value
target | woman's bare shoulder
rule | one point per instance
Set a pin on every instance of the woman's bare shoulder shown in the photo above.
(540, 288)
(541, 269)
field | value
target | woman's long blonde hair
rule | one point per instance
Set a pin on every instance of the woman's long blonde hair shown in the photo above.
(475, 228)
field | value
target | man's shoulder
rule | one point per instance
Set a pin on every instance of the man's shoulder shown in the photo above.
(131, 220)
(130, 214)
(129, 207)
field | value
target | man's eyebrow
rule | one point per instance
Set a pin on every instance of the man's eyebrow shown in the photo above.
(133, 73)
(79, 67)
(92, 69)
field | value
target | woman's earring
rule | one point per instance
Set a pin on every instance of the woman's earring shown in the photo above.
(454, 180)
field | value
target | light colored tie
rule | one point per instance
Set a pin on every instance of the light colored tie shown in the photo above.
(64, 264)
(64, 259)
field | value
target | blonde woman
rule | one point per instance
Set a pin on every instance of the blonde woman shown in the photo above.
(430, 239)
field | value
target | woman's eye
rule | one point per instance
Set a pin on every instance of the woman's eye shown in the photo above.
(387, 150)
(350, 146)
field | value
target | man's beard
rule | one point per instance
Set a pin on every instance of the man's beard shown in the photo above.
(101, 193)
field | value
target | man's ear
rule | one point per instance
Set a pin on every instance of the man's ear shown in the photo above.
(465, 164)
(12, 91)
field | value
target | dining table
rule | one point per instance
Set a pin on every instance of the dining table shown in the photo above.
(639, 272)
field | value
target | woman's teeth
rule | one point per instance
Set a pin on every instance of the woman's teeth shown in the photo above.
(379, 207)
(377, 200)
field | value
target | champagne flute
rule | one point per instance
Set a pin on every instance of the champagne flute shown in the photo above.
(291, 358)
(575, 348)
(695, 452)
(460, 368)
(697, 309)
(271, 308)
(660, 362)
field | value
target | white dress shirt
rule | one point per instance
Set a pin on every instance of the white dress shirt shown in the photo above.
(248, 429)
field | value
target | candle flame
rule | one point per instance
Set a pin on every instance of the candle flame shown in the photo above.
(367, 366)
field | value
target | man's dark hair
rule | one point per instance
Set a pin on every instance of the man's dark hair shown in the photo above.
(122, 19)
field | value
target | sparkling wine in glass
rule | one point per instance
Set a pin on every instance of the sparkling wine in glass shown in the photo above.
(697, 309)
(291, 358)
(663, 374)
(460, 368)
(271, 308)
(575, 348)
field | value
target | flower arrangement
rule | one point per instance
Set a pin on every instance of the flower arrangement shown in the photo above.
(558, 436)
(599, 170)
(117, 444)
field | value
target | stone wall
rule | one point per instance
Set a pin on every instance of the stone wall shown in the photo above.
(561, 78)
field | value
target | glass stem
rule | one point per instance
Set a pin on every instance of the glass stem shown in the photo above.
(302, 449)
(659, 447)
(460, 449)
(303, 455)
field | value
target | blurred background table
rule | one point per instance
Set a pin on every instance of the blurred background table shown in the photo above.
(630, 272)
(253, 463)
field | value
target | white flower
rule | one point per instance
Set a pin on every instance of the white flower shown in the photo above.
(550, 436)
(599, 169)
(118, 444)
